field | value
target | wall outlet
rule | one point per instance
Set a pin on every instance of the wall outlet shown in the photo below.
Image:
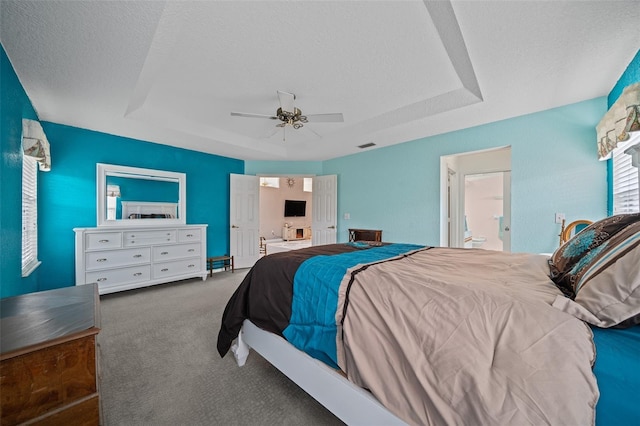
(559, 217)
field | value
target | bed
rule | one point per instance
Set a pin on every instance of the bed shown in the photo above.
(401, 333)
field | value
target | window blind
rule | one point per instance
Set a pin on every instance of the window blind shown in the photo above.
(29, 215)
(626, 193)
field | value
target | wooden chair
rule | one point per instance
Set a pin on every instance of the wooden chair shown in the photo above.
(263, 246)
(566, 232)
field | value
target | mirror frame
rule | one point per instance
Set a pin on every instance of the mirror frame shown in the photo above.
(104, 170)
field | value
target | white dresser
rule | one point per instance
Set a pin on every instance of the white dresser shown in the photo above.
(126, 258)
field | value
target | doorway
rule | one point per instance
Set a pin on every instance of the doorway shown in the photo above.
(484, 210)
(476, 199)
(245, 215)
(275, 192)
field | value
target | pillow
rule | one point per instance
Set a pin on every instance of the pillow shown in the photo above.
(574, 255)
(610, 287)
(608, 291)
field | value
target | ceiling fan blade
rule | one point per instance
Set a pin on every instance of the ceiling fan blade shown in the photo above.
(325, 118)
(286, 101)
(250, 115)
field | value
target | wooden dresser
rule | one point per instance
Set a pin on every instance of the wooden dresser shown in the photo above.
(48, 362)
(126, 258)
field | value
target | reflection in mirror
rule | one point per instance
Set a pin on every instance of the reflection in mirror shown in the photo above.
(140, 195)
(132, 196)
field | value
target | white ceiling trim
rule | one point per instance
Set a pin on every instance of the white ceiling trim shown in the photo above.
(174, 18)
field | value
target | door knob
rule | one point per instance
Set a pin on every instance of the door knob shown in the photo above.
(331, 227)
(506, 228)
(233, 226)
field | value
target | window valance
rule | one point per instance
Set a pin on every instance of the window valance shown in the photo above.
(622, 118)
(35, 143)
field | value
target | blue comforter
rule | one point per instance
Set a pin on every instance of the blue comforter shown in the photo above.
(617, 369)
(312, 327)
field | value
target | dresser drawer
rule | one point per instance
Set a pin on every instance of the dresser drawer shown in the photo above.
(113, 258)
(179, 251)
(49, 382)
(177, 267)
(188, 235)
(138, 238)
(103, 240)
(119, 276)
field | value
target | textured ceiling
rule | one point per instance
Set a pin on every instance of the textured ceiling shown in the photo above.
(171, 72)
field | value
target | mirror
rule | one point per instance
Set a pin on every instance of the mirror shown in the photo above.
(131, 196)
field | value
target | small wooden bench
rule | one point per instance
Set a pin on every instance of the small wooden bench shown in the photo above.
(225, 262)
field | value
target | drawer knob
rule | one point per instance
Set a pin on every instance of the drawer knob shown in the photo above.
(137, 274)
(103, 241)
(101, 279)
(164, 252)
(164, 269)
(137, 255)
(133, 242)
(190, 250)
(101, 260)
(191, 266)
(189, 235)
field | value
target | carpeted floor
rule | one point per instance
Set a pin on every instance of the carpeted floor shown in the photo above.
(159, 364)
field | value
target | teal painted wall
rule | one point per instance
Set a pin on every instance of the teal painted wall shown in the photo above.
(395, 188)
(68, 192)
(554, 169)
(14, 106)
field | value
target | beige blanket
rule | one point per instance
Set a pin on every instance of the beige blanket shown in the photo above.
(467, 337)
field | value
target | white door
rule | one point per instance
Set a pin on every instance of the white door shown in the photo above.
(506, 208)
(244, 215)
(452, 207)
(325, 210)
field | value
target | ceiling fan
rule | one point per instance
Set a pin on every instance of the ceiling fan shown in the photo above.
(289, 115)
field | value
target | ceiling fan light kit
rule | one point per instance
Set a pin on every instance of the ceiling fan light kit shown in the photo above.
(289, 115)
(294, 119)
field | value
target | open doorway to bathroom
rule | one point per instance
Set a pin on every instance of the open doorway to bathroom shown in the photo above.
(476, 199)
(484, 210)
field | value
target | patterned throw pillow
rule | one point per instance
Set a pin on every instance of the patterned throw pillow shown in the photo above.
(569, 262)
(608, 287)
